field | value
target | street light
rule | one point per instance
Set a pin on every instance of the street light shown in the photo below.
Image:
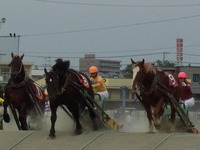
(3, 20)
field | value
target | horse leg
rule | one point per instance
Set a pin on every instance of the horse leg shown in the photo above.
(157, 113)
(53, 121)
(22, 119)
(172, 119)
(6, 116)
(76, 114)
(92, 114)
(93, 118)
(147, 107)
(150, 118)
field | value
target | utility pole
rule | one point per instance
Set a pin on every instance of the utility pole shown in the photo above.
(164, 56)
(18, 40)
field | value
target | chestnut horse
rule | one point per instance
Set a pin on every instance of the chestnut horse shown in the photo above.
(22, 94)
(154, 86)
(70, 88)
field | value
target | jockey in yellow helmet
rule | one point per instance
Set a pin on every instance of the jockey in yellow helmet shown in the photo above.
(97, 83)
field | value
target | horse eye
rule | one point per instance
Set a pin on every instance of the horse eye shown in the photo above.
(50, 80)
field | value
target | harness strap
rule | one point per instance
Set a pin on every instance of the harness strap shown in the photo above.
(153, 84)
(80, 78)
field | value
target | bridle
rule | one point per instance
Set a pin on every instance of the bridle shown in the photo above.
(141, 84)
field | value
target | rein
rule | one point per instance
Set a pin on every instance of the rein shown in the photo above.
(69, 81)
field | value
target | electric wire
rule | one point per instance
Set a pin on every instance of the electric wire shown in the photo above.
(117, 5)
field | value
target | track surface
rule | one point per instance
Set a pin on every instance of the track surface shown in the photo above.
(133, 136)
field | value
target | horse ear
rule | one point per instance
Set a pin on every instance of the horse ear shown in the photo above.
(133, 62)
(45, 70)
(22, 57)
(12, 55)
(143, 61)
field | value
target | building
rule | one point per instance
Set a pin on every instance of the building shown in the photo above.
(107, 68)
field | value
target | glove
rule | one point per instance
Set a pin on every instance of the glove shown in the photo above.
(183, 84)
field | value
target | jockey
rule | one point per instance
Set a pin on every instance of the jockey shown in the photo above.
(97, 83)
(186, 93)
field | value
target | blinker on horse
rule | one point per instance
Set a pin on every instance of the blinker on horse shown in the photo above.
(21, 95)
(153, 85)
(65, 87)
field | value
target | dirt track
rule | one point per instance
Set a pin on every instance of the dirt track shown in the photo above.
(133, 135)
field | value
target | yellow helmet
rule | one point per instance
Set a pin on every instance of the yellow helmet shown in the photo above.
(93, 69)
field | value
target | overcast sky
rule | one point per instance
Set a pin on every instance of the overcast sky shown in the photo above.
(111, 29)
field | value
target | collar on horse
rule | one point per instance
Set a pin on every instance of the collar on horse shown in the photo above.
(153, 86)
(156, 83)
(25, 82)
(68, 81)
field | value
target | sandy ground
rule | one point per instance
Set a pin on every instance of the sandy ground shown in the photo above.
(134, 121)
(133, 135)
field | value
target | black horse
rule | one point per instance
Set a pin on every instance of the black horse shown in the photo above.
(68, 87)
(22, 94)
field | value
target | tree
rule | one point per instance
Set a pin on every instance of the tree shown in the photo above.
(127, 72)
(165, 63)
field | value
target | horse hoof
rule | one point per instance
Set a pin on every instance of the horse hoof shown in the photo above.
(52, 136)
(95, 127)
(151, 132)
(6, 118)
(78, 132)
(157, 126)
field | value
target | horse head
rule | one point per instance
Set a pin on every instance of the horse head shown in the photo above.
(137, 68)
(17, 67)
(143, 74)
(52, 82)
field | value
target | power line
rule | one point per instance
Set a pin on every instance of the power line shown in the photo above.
(115, 56)
(117, 5)
(112, 27)
(116, 51)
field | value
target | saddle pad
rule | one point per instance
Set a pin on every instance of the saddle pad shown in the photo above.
(172, 81)
(85, 81)
(39, 93)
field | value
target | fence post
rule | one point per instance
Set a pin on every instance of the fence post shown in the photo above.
(123, 94)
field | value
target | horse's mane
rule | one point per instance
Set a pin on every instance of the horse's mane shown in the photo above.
(149, 68)
(61, 65)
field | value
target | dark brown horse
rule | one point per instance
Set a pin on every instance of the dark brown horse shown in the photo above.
(68, 87)
(22, 94)
(154, 86)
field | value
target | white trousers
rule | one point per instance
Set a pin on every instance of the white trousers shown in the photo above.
(189, 102)
(104, 95)
(1, 111)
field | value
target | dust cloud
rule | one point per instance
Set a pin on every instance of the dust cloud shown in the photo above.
(132, 121)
